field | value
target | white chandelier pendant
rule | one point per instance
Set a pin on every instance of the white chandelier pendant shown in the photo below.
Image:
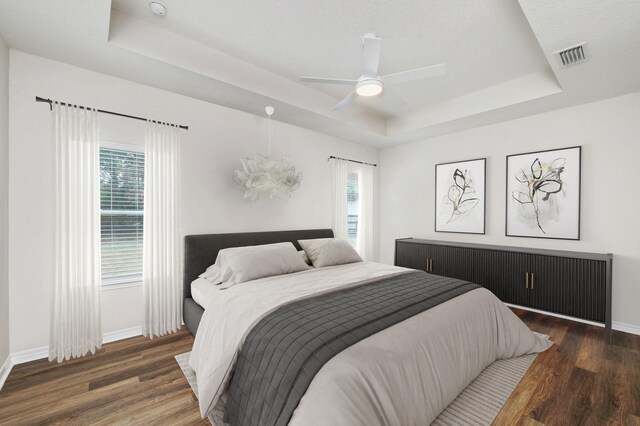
(263, 177)
(268, 178)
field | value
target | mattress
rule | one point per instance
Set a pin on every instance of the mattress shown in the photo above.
(203, 292)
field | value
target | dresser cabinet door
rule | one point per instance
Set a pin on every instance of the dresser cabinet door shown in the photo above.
(520, 291)
(568, 286)
(504, 273)
(454, 262)
(486, 274)
(547, 282)
(414, 256)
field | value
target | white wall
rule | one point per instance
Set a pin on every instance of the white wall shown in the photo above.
(609, 132)
(212, 202)
(4, 187)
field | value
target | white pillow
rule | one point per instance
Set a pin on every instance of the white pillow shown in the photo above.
(222, 265)
(241, 264)
(212, 274)
(329, 252)
(303, 255)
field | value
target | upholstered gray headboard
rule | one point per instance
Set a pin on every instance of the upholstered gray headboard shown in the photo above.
(200, 251)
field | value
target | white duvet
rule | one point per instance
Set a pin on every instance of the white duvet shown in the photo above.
(406, 374)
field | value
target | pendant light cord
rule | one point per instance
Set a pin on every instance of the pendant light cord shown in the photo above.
(269, 131)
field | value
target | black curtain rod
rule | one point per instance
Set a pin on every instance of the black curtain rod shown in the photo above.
(50, 102)
(353, 161)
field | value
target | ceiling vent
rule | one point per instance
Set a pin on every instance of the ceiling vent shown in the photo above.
(573, 55)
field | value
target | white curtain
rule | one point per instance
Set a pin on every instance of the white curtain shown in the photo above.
(364, 242)
(339, 213)
(161, 263)
(75, 320)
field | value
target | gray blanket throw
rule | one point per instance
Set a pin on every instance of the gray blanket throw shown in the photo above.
(285, 350)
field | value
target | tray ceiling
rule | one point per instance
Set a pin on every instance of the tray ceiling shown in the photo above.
(246, 54)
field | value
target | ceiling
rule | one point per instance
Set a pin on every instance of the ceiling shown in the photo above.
(248, 54)
(294, 38)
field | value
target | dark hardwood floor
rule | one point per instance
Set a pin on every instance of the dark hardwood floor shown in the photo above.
(133, 381)
(579, 381)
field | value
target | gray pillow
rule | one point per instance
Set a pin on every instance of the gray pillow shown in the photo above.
(241, 264)
(329, 252)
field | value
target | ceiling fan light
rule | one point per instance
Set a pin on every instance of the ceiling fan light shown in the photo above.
(369, 88)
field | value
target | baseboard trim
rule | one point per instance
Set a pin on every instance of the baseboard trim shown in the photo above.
(29, 355)
(5, 370)
(127, 333)
(616, 325)
(627, 328)
(553, 314)
(43, 351)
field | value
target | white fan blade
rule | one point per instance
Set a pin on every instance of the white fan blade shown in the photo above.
(343, 103)
(416, 74)
(371, 55)
(327, 80)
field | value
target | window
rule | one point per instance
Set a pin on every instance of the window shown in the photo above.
(353, 209)
(121, 214)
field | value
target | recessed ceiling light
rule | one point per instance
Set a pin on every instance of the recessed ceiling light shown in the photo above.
(158, 8)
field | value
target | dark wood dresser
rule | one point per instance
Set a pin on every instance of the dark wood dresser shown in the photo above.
(574, 284)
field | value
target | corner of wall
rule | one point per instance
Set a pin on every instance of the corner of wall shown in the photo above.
(5, 361)
(5, 369)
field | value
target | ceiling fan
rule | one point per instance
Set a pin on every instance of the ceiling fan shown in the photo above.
(370, 83)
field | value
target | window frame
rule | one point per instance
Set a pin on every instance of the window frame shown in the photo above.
(136, 281)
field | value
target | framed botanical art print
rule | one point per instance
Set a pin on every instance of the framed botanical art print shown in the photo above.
(460, 196)
(543, 194)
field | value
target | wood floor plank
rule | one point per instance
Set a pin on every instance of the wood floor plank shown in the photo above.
(632, 375)
(611, 406)
(553, 380)
(75, 406)
(580, 380)
(514, 409)
(526, 421)
(591, 350)
(571, 342)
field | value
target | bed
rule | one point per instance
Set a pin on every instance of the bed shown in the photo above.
(403, 372)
